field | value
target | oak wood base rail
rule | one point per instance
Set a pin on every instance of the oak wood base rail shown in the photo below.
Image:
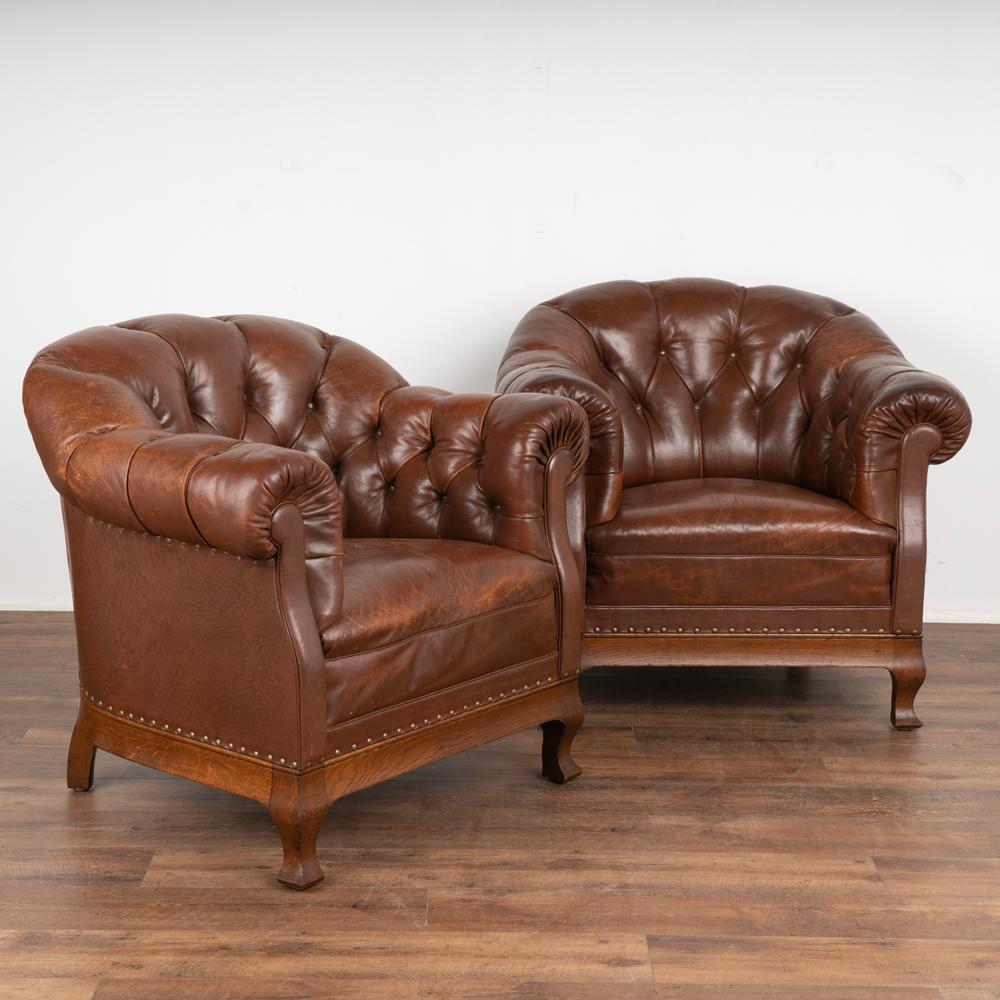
(903, 657)
(298, 800)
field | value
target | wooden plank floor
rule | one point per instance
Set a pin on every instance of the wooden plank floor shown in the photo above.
(736, 834)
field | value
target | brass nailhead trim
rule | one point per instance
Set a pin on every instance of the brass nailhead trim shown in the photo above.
(763, 630)
(440, 716)
(184, 545)
(177, 730)
(294, 764)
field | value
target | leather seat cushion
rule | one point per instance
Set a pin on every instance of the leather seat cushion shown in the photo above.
(420, 615)
(740, 542)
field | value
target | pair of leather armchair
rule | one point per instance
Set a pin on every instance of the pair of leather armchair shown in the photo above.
(294, 575)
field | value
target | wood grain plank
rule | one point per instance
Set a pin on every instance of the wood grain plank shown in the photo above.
(833, 963)
(47, 989)
(969, 878)
(747, 913)
(80, 867)
(676, 872)
(410, 989)
(608, 958)
(132, 908)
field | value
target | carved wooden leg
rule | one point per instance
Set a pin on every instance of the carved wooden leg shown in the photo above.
(908, 673)
(298, 806)
(80, 763)
(557, 740)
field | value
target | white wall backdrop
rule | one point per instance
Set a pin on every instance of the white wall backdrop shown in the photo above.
(416, 175)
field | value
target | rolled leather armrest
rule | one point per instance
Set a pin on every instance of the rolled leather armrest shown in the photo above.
(520, 435)
(537, 371)
(214, 491)
(880, 400)
(467, 467)
(113, 461)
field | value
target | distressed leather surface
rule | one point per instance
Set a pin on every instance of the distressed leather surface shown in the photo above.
(197, 431)
(398, 587)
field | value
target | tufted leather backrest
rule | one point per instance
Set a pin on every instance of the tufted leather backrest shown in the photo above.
(709, 378)
(198, 430)
(409, 461)
(256, 379)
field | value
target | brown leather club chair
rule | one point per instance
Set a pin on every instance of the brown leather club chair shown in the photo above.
(756, 479)
(294, 575)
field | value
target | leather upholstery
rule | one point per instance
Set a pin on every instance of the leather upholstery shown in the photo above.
(737, 517)
(693, 378)
(747, 455)
(423, 614)
(201, 432)
(718, 541)
(398, 587)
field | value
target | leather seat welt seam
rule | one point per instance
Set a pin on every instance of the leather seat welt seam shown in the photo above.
(187, 485)
(440, 628)
(128, 474)
(440, 691)
(874, 472)
(735, 555)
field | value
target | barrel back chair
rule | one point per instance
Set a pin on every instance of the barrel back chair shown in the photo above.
(293, 573)
(756, 479)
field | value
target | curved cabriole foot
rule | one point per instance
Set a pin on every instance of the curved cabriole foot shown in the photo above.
(298, 807)
(557, 742)
(80, 762)
(908, 673)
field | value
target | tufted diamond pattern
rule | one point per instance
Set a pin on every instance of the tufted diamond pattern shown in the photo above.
(711, 379)
(693, 378)
(202, 400)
